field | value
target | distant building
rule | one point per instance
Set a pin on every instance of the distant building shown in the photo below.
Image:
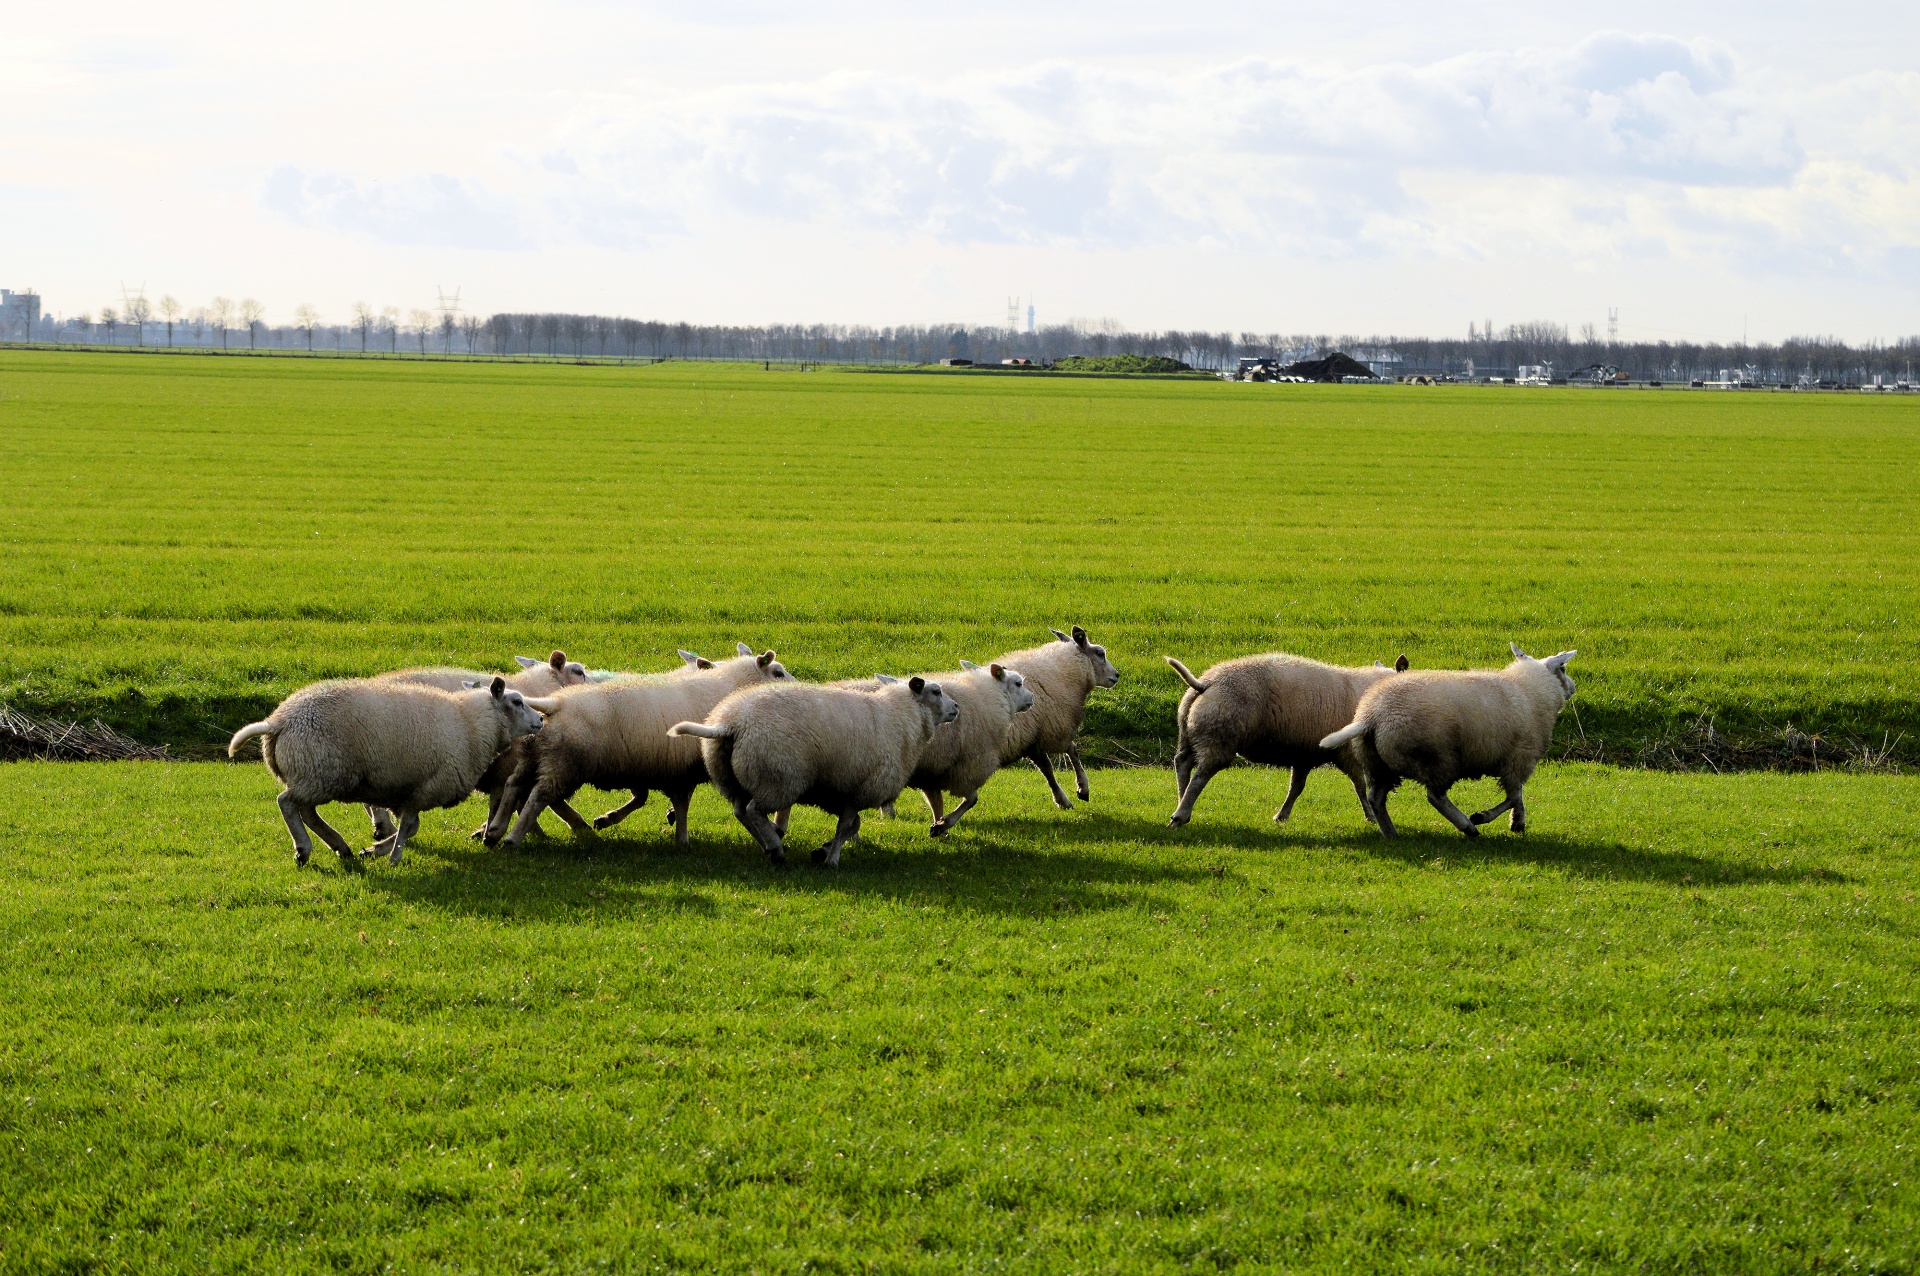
(19, 314)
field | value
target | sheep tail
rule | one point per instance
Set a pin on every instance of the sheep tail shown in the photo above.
(247, 733)
(1353, 730)
(1186, 675)
(702, 730)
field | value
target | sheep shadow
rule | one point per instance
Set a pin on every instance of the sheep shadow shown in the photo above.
(569, 877)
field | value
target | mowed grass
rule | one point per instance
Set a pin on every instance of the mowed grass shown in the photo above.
(188, 539)
(1671, 1029)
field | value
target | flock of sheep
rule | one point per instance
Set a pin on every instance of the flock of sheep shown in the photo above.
(421, 739)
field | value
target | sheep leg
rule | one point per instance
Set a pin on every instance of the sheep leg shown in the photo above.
(409, 825)
(780, 818)
(1196, 783)
(493, 812)
(682, 803)
(1377, 799)
(886, 810)
(574, 820)
(1079, 773)
(1356, 773)
(329, 835)
(1514, 803)
(1294, 790)
(621, 812)
(828, 856)
(1039, 758)
(937, 803)
(764, 831)
(1443, 804)
(942, 827)
(382, 822)
(296, 825)
(529, 816)
(1493, 813)
(1182, 770)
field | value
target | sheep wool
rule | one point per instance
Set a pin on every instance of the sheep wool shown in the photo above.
(613, 735)
(1060, 674)
(1271, 709)
(1439, 728)
(844, 751)
(399, 746)
(964, 754)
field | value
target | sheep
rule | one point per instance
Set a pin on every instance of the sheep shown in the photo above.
(1270, 709)
(613, 735)
(395, 745)
(844, 751)
(1440, 728)
(964, 754)
(535, 678)
(1060, 674)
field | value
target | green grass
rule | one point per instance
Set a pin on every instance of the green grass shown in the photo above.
(1671, 1030)
(189, 539)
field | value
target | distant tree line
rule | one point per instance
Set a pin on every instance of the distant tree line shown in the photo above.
(1485, 351)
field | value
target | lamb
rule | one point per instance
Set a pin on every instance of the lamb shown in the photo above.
(535, 678)
(613, 735)
(1060, 675)
(841, 750)
(1271, 709)
(1440, 728)
(395, 745)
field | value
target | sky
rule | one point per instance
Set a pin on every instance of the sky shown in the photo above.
(1709, 170)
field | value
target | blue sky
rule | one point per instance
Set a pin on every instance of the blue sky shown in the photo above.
(1704, 168)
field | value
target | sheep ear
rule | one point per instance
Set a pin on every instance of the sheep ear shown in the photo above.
(916, 684)
(1517, 653)
(499, 687)
(688, 656)
(558, 660)
(1057, 634)
(968, 664)
(885, 679)
(468, 683)
(1558, 662)
(999, 672)
(743, 649)
(1079, 636)
(1400, 665)
(527, 662)
(766, 657)
(701, 662)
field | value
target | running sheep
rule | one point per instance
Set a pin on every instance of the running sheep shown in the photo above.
(534, 678)
(964, 753)
(1439, 728)
(844, 751)
(1272, 709)
(398, 746)
(1060, 675)
(613, 735)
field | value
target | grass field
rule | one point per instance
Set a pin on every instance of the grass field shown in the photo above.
(190, 538)
(1670, 1030)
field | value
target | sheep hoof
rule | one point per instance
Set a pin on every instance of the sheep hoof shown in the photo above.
(1481, 817)
(301, 857)
(940, 829)
(820, 855)
(1177, 820)
(1280, 816)
(1086, 795)
(1470, 832)
(479, 834)
(1063, 804)
(601, 821)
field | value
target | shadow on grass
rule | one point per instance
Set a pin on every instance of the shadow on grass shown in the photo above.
(1588, 857)
(569, 877)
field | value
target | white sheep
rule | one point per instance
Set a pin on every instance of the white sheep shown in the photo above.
(768, 748)
(613, 735)
(1271, 709)
(964, 753)
(1060, 675)
(396, 745)
(1439, 728)
(534, 678)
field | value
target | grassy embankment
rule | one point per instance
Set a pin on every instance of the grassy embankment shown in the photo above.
(187, 540)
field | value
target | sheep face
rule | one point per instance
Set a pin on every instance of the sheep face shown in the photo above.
(1014, 686)
(522, 718)
(568, 673)
(1104, 674)
(934, 699)
(770, 668)
(1555, 664)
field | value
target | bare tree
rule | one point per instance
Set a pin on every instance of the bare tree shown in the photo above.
(363, 319)
(470, 326)
(169, 311)
(421, 321)
(446, 332)
(306, 318)
(139, 310)
(390, 324)
(110, 319)
(251, 312)
(220, 311)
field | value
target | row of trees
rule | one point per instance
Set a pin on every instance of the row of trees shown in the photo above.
(1484, 352)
